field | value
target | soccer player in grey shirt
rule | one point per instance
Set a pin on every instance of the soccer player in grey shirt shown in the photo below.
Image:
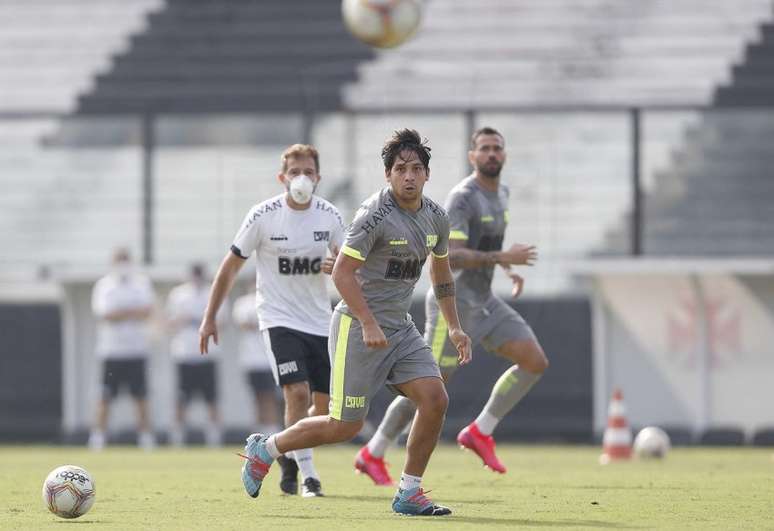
(373, 340)
(478, 215)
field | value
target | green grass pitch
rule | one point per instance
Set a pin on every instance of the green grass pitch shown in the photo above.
(546, 487)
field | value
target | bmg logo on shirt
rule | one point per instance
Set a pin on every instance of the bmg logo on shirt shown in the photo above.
(299, 266)
(322, 235)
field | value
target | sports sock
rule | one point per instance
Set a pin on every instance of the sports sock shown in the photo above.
(398, 416)
(408, 481)
(213, 435)
(509, 389)
(271, 447)
(305, 464)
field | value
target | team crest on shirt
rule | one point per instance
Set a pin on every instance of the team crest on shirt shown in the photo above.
(322, 235)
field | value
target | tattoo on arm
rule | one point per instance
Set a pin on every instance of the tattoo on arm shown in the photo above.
(444, 290)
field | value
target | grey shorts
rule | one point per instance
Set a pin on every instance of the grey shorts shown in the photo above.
(491, 325)
(358, 372)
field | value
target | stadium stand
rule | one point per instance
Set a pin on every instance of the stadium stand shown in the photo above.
(562, 52)
(50, 51)
(232, 56)
(715, 197)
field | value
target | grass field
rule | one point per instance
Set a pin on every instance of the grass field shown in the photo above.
(546, 486)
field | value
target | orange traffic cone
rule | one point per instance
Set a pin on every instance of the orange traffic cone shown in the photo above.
(617, 440)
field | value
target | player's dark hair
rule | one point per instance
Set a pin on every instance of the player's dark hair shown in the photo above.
(405, 139)
(484, 131)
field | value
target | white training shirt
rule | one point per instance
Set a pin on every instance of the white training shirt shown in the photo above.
(252, 351)
(187, 303)
(290, 246)
(122, 339)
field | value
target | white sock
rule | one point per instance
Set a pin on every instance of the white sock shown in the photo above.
(176, 436)
(486, 423)
(271, 447)
(305, 465)
(97, 439)
(409, 482)
(378, 444)
(146, 440)
(213, 436)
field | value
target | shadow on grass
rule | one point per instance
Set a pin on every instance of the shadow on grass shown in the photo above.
(478, 520)
(85, 522)
(389, 499)
(623, 487)
(510, 522)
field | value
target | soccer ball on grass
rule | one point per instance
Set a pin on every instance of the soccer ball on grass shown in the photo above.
(68, 491)
(651, 442)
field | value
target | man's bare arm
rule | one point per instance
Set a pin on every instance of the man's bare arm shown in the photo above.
(443, 286)
(461, 257)
(221, 286)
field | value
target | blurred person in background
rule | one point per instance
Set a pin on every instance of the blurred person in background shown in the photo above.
(255, 361)
(478, 217)
(196, 374)
(291, 235)
(122, 302)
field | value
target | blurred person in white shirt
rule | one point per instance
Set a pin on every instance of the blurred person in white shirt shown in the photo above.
(122, 302)
(255, 361)
(196, 374)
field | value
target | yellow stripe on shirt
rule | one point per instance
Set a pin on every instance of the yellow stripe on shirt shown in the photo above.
(354, 253)
(457, 235)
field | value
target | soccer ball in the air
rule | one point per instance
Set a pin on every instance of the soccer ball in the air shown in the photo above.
(68, 491)
(651, 442)
(382, 23)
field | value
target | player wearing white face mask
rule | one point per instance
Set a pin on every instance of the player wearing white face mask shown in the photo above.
(291, 234)
(301, 189)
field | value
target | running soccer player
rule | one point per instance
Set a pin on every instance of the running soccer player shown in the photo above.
(373, 340)
(290, 234)
(478, 215)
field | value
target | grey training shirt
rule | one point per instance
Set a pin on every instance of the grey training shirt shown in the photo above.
(393, 244)
(478, 217)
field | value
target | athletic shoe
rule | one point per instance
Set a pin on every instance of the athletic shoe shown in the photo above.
(482, 445)
(413, 502)
(256, 465)
(374, 467)
(311, 488)
(289, 481)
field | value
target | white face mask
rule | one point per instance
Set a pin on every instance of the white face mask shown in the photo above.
(301, 189)
(123, 269)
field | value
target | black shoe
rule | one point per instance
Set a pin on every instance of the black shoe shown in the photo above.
(311, 488)
(289, 481)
